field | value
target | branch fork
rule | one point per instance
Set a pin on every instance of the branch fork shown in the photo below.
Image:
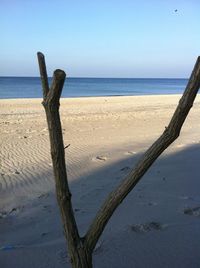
(81, 248)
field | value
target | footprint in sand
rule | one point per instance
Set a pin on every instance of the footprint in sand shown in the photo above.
(152, 204)
(125, 168)
(147, 227)
(3, 214)
(16, 172)
(44, 195)
(77, 209)
(99, 158)
(195, 211)
(14, 211)
(44, 234)
(47, 208)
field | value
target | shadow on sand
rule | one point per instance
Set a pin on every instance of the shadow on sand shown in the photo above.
(131, 238)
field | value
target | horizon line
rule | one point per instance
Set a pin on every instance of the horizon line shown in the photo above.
(94, 77)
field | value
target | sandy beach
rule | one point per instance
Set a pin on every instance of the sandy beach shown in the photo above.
(158, 223)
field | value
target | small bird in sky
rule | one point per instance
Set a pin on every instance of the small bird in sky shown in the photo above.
(175, 10)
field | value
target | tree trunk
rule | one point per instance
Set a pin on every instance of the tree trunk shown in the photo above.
(83, 259)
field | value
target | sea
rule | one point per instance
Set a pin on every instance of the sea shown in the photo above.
(30, 87)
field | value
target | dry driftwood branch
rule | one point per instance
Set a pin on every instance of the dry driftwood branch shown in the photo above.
(51, 105)
(169, 135)
(43, 74)
(80, 249)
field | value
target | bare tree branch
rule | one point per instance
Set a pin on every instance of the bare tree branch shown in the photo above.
(169, 135)
(51, 105)
(80, 249)
(43, 74)
(53, 96)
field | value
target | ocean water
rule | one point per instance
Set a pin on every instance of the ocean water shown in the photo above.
(30, 87)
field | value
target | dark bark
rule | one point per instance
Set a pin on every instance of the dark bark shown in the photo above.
(80, 249)
(169, 135)
(51, 97)
(43, 74)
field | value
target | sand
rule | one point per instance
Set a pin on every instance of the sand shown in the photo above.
(158, 223)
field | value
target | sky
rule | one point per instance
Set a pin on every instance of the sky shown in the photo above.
(100, 38)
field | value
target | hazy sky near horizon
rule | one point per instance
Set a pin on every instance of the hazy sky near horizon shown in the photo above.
(100, 38)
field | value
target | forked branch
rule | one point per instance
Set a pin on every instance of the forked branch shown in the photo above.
(80, 249)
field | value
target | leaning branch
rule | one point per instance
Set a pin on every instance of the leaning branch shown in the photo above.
(51, 104)
(169, 135)
(43, 74)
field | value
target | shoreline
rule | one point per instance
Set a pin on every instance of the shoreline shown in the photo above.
(94, 97)
(99, 96)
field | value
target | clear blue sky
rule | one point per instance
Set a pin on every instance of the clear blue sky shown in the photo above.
(102, 38)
